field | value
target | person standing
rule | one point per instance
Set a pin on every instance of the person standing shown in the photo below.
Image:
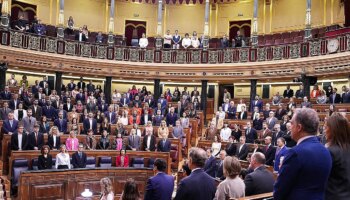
(306, 168)
(338, 136)
(106, 189)
(161, 185)
(198, 185)
(62, 159)
(79, 158)
(45, 159)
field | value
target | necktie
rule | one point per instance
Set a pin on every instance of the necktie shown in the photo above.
(30, 121)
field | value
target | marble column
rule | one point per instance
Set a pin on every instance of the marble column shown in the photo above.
(108, 89)
(159, 42)
(255, 25)
(5, 22)
(156, 92)
(308, 21)
(60, 28)
(206, 25)
(3, 70)
(204, 99)
(111, 24)
(58, 83)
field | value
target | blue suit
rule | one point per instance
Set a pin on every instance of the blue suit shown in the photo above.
(171, 119)
(163, 104)
(6, 127)
(304, 172)
(160, 187)
(49, 112)
(210, 166)
(282, 153)
(112, 119)
(61, 127)
(121, 102)
(258, 104)
(197, 186)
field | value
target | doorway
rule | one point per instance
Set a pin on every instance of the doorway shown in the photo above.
(242, 26)
(133, 31)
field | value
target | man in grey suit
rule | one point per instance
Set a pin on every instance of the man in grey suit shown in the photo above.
(4, 111)
(28, 122)
(36, 110)
(306, 103)
(271, 120)
(134, 141)
(260, 180)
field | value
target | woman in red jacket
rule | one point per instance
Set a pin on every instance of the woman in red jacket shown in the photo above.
(122, 160)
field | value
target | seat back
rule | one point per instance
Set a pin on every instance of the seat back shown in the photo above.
(35, 164)
(90, 162)
(18, 166)
(151, 163)
(105, 162)
(53, 163)
(138, 163)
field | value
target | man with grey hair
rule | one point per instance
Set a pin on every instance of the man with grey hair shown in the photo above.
(306, 167)
(198, 185)
(260, 180)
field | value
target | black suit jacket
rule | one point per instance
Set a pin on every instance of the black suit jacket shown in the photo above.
(143, 119)
(289, 141)
(50, 142)
(245, 115)
(81, 85)
(152, 143)
(164, 147)
(83, 37)
(38, 113)
(44, 163)
(14, 141)
(252, 136)
(210, 166)
(275, 137)
(78, 162)
(270, 155)
(32, 142)
(288, 94)
(65, 107)
(337, 99)
(220, 170)
(259, 181)
(231, 149)
(242, 155)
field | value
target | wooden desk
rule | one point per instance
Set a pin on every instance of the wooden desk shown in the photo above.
(68, 184)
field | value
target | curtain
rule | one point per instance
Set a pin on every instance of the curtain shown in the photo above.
(134, 30)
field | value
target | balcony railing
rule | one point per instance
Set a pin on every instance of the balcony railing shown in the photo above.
(316, 47)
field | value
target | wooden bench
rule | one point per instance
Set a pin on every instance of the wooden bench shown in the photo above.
(29, 155)
(7, 140)
(69, 184)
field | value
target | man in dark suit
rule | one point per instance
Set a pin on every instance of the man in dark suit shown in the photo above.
(43, 82)
(149, 99)
(19, 140)
(346, 95)
(6, 94)
(49, 111)
(288, 93)
(149, 141)
(35, 88)
(145, 118)
(4, 111)
(231, 112)
(81, 83)
(162, 102)
(103, 107)
(210, 166)
(36, 110)
(276, 133)
(90, 123)
(61, 109)
(80, 36)
(124, 101)
(68, 106)
(334, 97)
(269, 151)
(71, 85)
(260, 180)
(231, 148)
(90, 87)
(306, 103)
(134, 141)
(61, 123)
(288, 136)
(161, 185)
(13, 104)
(281, 111)
(242, 152)
(257, 102)
(171, 117)
(220, 166)
(42, 100)
(300, 93)
(35, 139)
(250, 133)
(79, 158)
(80, 97)
(198, 185)
(164, 145)
(47, 90)
(306, 167)
(111, 116)
(10, 125)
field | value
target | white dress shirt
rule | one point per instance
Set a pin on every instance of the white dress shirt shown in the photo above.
(62, 159)
(143, 42)
(186, 42)
(20, 136)
(225, 133)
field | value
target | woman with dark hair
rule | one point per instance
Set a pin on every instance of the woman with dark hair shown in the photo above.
(337, 131)
(44, 125)
(331, 109)
(131, 191)
(233, 186)
(122, 160)
(329, 90)
(106, 189)
(104, 140)
(45, 159)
